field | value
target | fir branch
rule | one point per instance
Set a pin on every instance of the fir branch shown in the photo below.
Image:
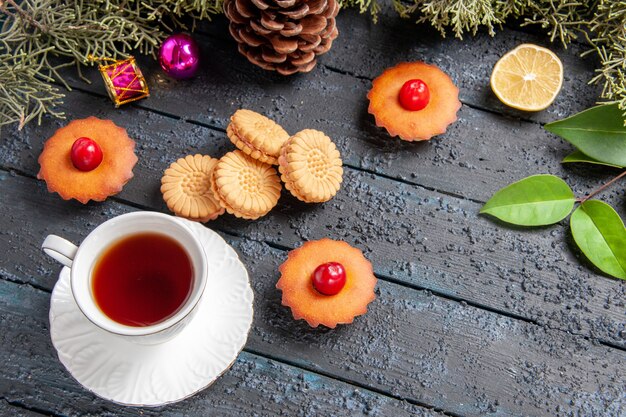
(607, 35)
(177, 10)
(364, 6)
(563, 19)
(461, 16)
(64, 34)
(24, 95)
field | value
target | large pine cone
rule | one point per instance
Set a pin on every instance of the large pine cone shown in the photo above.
(283, 35)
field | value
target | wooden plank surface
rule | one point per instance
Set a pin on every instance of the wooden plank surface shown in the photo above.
(471, 319)
(413, 235)
(7, 409)
(411, 345)
(482, 152)
(33, 378)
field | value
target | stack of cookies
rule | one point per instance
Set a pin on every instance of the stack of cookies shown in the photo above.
(244, 182)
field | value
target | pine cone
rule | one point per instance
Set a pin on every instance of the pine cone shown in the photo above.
(283, 35)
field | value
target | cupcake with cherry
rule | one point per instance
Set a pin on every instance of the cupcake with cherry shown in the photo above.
(414, 101)
(326, 282)
(89, 159)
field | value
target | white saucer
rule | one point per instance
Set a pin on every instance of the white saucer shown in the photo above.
(151, 375)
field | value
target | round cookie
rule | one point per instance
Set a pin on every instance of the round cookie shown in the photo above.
(305, 302)
(244, 186)
(115, 170)
(310, 166)
(186, 188)
(256, 135)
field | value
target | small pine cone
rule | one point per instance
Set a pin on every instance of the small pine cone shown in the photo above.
(283, 35)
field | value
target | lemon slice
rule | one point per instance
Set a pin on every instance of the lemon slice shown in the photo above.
(528, 77)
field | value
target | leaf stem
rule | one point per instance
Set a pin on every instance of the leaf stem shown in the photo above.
(600, 189)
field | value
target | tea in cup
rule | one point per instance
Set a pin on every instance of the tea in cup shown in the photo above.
(139, 275)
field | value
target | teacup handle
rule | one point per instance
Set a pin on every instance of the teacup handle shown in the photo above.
(60, 249)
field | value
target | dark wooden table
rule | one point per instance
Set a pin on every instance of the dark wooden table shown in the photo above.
(471, 319)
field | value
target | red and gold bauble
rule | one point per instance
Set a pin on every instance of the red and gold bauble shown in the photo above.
(179, 56)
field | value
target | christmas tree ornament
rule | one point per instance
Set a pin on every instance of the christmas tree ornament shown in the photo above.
(179, 56)
(123, 80)
(283, 35)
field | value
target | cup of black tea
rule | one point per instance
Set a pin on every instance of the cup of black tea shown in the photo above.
(139, 275)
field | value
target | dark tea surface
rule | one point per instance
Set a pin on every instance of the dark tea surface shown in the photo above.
(142, 279)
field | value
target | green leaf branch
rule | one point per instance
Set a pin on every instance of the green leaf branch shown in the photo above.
(598, 132)
(599, 233)
(578, 156)
(540, 200)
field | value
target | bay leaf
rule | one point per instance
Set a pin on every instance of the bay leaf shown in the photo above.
(599, 233)
(598, 132)
(578, 156)
(537, 200)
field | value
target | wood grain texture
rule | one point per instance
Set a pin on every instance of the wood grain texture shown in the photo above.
(411, 344)
(413, 235)
(527, 342)
(364, 49)
(479, 154)
(10, 410)
(33, 377)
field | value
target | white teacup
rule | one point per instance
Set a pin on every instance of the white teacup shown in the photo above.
(82, 259)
